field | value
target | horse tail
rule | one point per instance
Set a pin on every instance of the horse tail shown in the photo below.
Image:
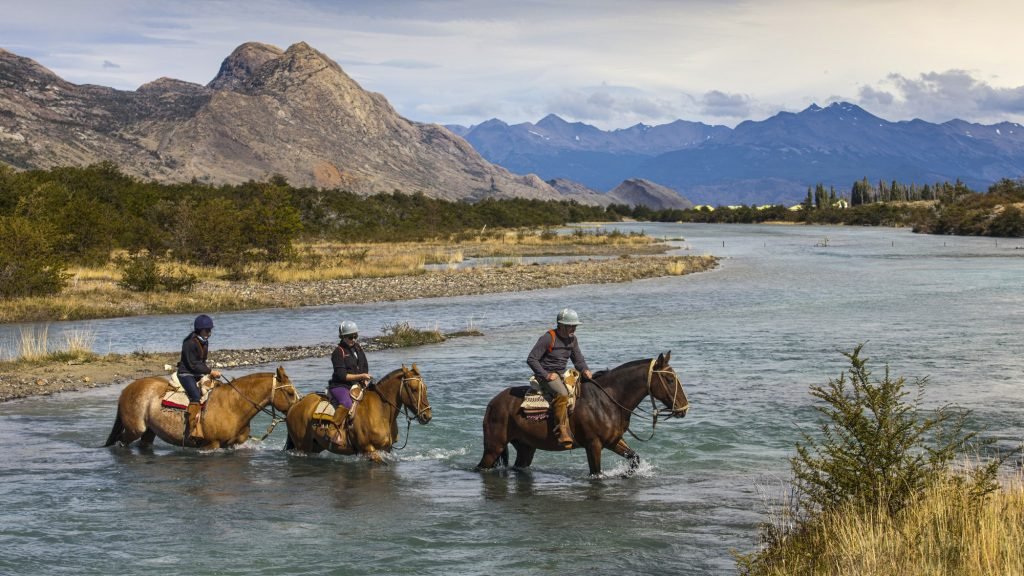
(503, 457)
(116, 431)
(288, 444)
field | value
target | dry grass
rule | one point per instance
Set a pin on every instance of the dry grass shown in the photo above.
(946, 531)
(33, 345)
(94, 293)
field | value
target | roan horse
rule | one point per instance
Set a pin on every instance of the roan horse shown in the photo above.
(600, 418)
(375, 420)
(229, 410)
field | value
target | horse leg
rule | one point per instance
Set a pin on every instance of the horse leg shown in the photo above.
(622, 449)
(495, 440)
(594, 457)
(524, 455)
(147, 439)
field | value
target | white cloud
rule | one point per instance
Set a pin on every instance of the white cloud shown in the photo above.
(447, 60)
(942, 96)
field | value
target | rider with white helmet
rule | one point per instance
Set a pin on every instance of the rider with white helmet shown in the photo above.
(351, 371)
(548, 360)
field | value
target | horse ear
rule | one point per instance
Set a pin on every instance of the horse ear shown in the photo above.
(280, 373)
(415, 370)
(404, 369)
(661, 361)
(668, 356)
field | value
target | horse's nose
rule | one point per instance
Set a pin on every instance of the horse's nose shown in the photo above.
(426, 416)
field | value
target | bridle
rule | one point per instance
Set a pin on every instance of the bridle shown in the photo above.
(655, 410)
(272, 412)
(403, 407)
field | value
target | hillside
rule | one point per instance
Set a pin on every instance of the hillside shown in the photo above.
(268, 111)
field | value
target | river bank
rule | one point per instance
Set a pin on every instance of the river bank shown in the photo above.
(23, 379)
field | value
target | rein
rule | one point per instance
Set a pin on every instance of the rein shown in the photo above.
(274, 420)
(655, 411)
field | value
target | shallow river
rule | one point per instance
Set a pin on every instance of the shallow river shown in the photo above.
(748, 340)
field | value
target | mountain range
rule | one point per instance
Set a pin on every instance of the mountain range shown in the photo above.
(268, 111)
(774, 160)
(297, 114)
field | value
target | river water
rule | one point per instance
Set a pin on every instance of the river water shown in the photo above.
(748, 340)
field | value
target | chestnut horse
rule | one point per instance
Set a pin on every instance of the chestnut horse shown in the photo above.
(375, 420)
(226, 416)
(599, 420)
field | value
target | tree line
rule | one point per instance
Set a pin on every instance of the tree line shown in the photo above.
(50, 219)
(940, 208)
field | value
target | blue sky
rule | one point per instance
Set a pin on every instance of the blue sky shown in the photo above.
(607, 63)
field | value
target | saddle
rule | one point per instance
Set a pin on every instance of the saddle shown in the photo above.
(323, 414)
(175, 397)
(536, 405)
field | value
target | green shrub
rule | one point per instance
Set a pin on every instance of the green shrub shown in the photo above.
(29, 265)
(875, 448)
(400, 335)
(141, 273)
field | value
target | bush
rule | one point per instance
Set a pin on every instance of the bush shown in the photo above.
(29, 266)
(877, 459)
(402, 335)
(141, 273)
(875, 448)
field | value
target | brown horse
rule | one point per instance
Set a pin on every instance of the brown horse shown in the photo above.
(599, 420)
(375, 422)
(229, 409)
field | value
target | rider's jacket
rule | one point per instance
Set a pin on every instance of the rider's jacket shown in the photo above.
(347, 359)
(193, 356)
(552, 353)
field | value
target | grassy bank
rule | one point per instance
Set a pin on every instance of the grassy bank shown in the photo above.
(944, 530)
(96, 292)
(883, 489)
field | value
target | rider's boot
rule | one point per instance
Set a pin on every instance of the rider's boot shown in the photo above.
(195, 427)
(340, 436)
(561, 405)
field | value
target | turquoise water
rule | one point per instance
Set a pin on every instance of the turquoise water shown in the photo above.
(748, 340)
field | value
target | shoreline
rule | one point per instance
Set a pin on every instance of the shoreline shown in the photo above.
(27, 379)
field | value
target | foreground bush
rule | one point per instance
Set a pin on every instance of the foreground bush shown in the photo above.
(877, 489)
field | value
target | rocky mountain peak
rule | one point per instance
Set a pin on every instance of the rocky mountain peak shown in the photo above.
(268, 111)
(636, 191)
(241, 65)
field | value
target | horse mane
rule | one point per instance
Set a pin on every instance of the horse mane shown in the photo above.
(388, 376)
(629, 364)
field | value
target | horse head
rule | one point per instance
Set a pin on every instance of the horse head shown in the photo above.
(413, 394)
(283, 395)
(666, 386)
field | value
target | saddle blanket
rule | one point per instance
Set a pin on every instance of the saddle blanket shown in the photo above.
(176, 399)
(536, 406)
(324, 413)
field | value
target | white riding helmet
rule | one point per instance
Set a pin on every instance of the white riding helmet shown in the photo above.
(347, 327)
(569, 317)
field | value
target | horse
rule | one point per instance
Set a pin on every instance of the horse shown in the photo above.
(374, 423)
(599, 420)
(230, 408)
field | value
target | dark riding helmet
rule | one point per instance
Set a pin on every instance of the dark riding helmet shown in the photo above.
(203, 322)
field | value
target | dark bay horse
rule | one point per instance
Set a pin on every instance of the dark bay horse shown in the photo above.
(229, 409)
(375, 423)
(599, 420)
